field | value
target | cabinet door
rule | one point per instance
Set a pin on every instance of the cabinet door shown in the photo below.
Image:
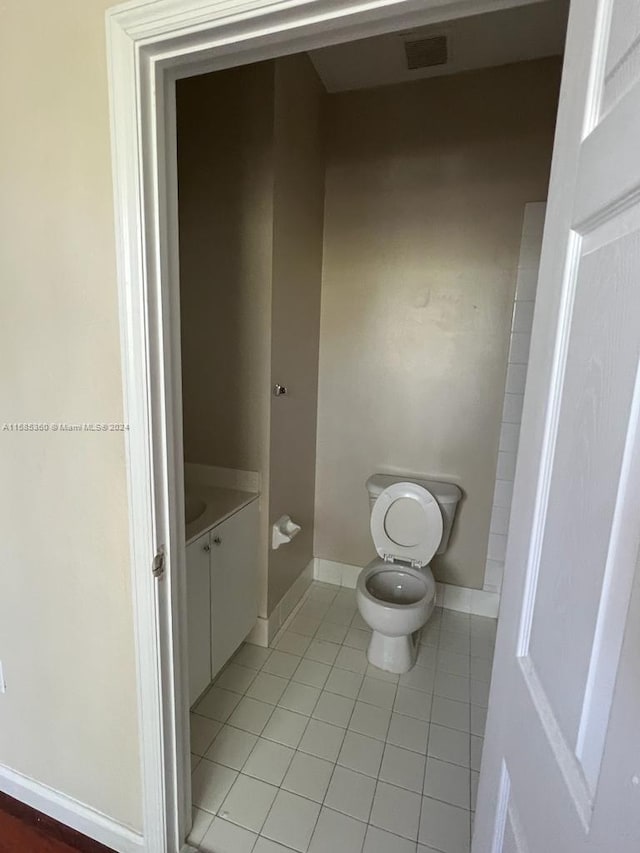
(199, 616)
(234, 582)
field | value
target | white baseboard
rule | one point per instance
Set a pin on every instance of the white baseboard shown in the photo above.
(259, 634)
(70, 812)
(342, 574)
(265, 629)
(480, 602)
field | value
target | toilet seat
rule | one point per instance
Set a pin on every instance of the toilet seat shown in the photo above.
(406, 524)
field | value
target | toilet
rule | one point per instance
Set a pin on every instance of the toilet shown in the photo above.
(411, 521)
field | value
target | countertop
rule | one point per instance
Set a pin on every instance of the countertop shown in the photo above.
(221, 503)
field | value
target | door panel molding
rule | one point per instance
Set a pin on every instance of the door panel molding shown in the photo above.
(598, 70)
(614, 182)
(617, 588)
(623, 62)
(595, 419)
(500, 822)
(564, 755)
(563, 334)
(516, 838)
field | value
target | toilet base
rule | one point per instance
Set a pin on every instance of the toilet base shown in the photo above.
(393, 654)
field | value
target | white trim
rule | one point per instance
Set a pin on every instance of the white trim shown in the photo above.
(552, 417)
(133, 274)
(286, 623)
(616, 594)
(261, 634)
(69, 811)
(340, 574)
(149, 44)
(478, 602)
(266, 629)
(564, 754)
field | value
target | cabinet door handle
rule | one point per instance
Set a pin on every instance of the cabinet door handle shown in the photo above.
(217, 541)
(206, 547)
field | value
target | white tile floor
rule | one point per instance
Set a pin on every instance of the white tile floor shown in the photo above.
(306, 747)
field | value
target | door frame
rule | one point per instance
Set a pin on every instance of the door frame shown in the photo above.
(150, 45)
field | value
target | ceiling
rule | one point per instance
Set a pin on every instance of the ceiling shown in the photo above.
(480, 41)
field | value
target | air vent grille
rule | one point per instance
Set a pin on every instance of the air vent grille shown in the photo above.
(424, 53)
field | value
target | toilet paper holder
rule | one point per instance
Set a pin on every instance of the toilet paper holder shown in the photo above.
(283, 531)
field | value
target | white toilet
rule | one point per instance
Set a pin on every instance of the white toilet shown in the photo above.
(411, 520)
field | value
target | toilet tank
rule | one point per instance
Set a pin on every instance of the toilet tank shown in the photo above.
(447, 496)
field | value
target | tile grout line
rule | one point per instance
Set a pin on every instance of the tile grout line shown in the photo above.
(306, 598)
(290, 680)
(384, 749)
(346, 729)
(297, 749)
(426, 758)
(470, 774)
(259, 735)
(323, 691)
(279, 787)
(335, 763)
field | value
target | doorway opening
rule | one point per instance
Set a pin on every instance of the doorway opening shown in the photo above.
(360, 229)
(158, 490)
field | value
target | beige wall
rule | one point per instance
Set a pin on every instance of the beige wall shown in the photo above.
(297, 277)
(68, 718)
(225, 201)
(425, 189)
(225, 177)
(251, 201)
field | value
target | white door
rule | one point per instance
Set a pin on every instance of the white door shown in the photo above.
(561, 763)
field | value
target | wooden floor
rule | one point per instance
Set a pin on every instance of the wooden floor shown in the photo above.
(24, 830)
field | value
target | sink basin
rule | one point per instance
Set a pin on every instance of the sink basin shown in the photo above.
(193, 508)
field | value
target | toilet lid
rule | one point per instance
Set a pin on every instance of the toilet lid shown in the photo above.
(406, 524)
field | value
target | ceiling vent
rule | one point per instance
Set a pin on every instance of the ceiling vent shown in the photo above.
(426, 52)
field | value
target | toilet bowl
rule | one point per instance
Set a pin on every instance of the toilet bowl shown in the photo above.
(396, 602)
(396, 592)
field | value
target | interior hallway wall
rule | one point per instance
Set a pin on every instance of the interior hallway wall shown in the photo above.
(68, 719)
(425, 188)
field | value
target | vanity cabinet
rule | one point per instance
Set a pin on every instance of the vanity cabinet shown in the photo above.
(234, 583)
(199, 616)
(222, 594)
